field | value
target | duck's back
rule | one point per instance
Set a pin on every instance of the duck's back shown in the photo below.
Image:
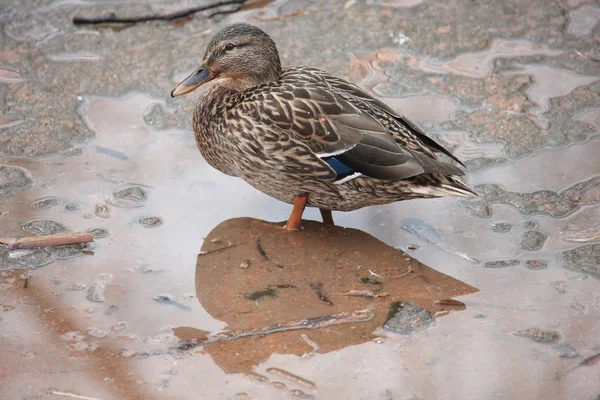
(331, 117)
(405, 132)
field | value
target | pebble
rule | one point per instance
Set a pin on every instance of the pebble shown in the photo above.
(583, 259)
(501, 263)
(119, 326)
(13, 179)
(501, 227)
(405, 318)
(477, 208)
(539, 335)
(532, 240)
(72, 207)
(98, 233)
(150, 222)
(536, 264)
(102, 211)
(44, 227)
(45, 202)
(96, 293)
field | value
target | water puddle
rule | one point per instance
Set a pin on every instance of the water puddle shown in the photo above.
(468, 150)
(540, 168)
(9, 75)
(551, 82)
(591, 117)
(480, 64)
(6, 122)
(187, 279)
(270, 10)
(396, 3)
(368, 70)
(583, 20)
(266, 11)
(30, 29)
(66, 4)
(79, 56)
(429, 108)
(578, 235)
(432, 236)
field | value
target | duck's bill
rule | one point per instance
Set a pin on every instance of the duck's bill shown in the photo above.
(192, 82)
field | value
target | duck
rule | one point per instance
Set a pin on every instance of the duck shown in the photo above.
(307, 137)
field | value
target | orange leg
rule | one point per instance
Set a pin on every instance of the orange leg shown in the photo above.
(295, 220)
(327, 217)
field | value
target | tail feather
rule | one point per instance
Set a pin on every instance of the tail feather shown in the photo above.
(438, 185)
(458, 188)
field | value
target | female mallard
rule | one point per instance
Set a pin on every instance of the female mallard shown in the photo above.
(306, 137)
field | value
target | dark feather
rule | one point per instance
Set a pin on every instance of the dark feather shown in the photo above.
(332, 117)
(357, 92)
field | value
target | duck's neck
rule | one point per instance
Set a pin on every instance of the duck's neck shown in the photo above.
(210, 127)
(238, 82)
(214, 99)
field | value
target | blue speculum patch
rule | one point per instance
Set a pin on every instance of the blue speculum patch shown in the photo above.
(341, 169)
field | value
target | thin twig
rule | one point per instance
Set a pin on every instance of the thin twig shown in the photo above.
(409, 270)
(60, 239)
(27, 276)
(449, 302)
(202, 253)
(113, 19)
(265, 256)
(72, 395)
(591, 360)
(291, 377)
(318, 288)
(376, 274)
(310, 323)
(365, 293)
(310, 342)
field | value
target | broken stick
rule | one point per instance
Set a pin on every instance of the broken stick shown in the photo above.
(366, 293)
(60, 239)
(113, 19)
(309, 323)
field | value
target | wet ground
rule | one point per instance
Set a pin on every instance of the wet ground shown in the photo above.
(90, 140)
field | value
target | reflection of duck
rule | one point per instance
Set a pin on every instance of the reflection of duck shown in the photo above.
(332, 285)
(306, 137)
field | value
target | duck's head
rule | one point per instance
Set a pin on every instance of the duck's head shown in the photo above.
(240, 56)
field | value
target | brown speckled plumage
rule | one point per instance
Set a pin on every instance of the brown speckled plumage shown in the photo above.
(299, 130)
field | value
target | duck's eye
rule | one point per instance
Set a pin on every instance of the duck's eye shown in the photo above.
(229, 46)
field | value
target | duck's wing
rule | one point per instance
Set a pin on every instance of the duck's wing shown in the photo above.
(406, 132)
(309, 130)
